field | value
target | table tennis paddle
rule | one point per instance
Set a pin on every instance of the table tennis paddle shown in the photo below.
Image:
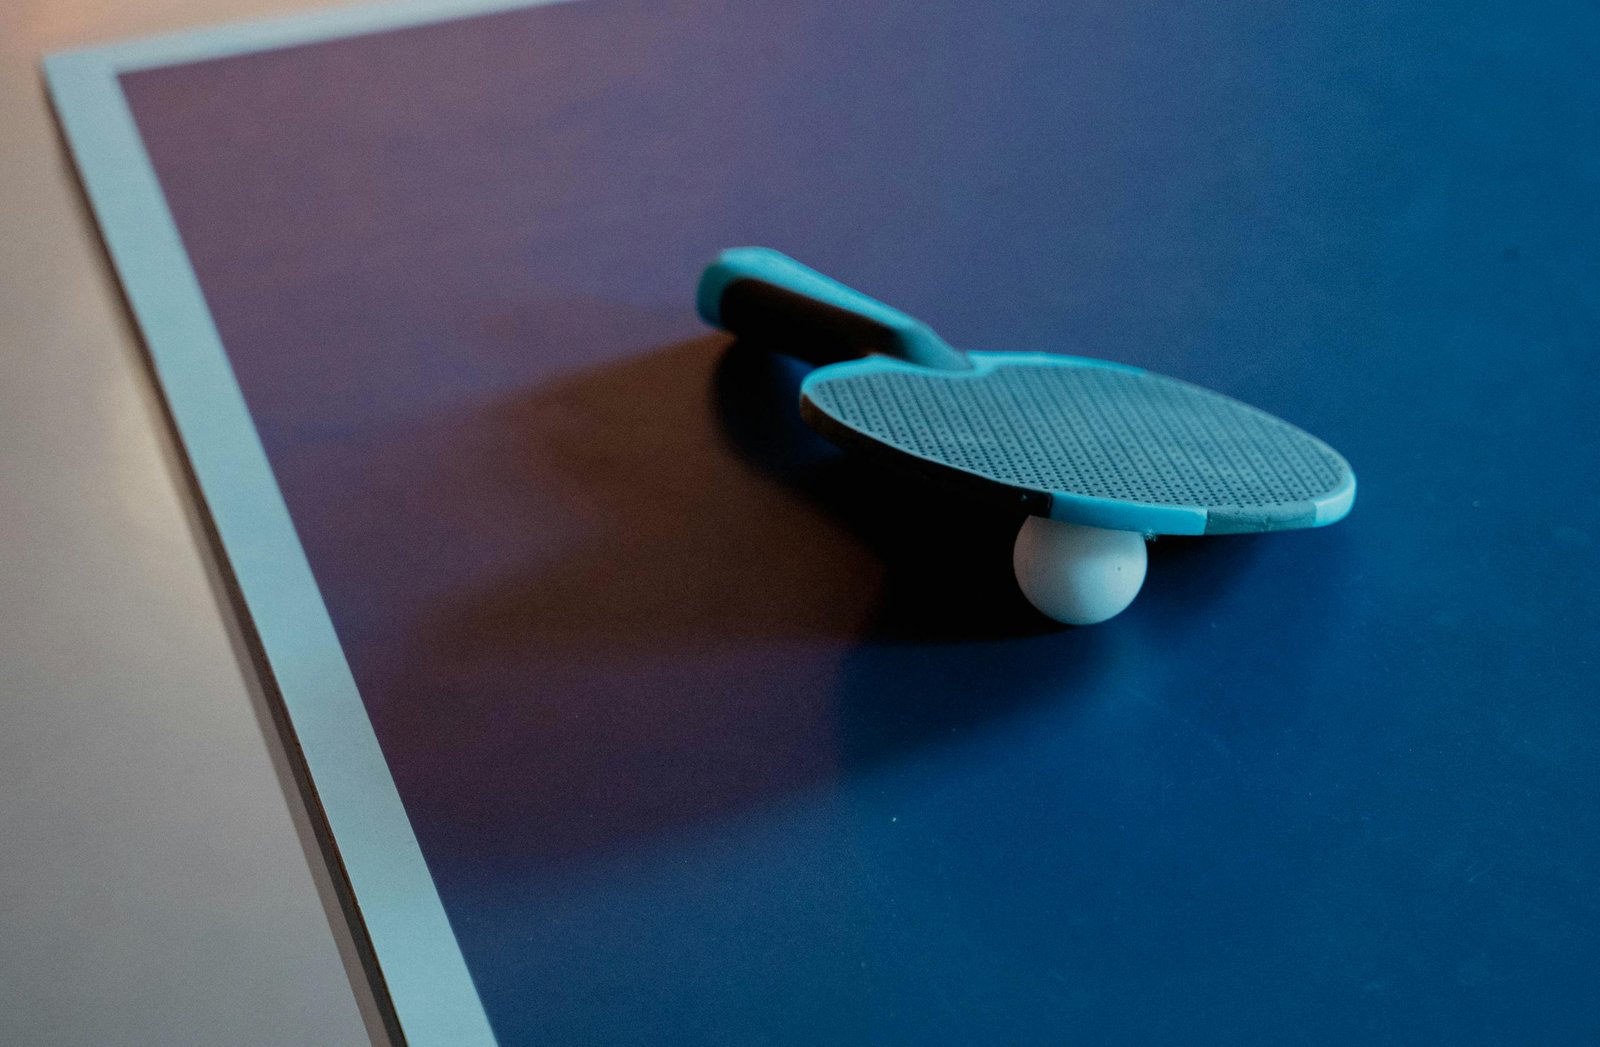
(1102, 455)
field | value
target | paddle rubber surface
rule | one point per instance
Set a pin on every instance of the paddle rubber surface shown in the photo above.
(1089, 442)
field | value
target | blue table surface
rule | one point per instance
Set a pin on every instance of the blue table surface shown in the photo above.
(711, 734)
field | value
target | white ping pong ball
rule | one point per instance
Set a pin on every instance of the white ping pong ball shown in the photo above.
(1075, 574)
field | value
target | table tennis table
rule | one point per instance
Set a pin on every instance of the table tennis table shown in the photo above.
(635, 713)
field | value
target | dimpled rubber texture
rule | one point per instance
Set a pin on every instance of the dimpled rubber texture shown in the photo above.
(1087, 430)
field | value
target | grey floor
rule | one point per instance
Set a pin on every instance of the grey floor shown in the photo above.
(156, 884)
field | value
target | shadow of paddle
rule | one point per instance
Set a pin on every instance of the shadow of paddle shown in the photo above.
(946, 561)
(674, 602)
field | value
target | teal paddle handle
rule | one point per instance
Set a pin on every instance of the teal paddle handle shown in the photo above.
(759, 293)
